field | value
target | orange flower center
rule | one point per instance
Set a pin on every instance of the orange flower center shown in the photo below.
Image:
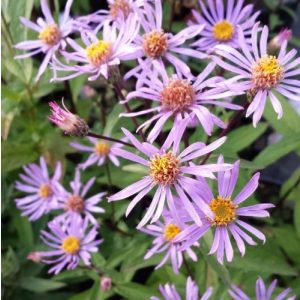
(224, 210)
(75, 203)
(223, 31)
(71, 244)
(102, 149)
(171, 231)
(177, 95)
(155, 44)
(50, 35)
(45, 191)
(119, 6)
(267, 72)
(98, 53)
(164, 168)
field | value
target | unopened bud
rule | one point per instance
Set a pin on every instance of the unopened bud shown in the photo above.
(284, 35)
(34, 256)
(71, 124)
(105, 283)
(88, 92)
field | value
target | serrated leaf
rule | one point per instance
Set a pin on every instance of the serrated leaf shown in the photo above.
(275, 151)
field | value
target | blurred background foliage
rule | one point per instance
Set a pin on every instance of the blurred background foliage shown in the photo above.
(273, 147)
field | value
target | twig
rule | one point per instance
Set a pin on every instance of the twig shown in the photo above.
(103, 137)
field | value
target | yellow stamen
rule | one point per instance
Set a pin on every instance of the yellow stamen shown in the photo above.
(171, 231)
(224, 210)
(50, 35)
(102, 149)
(119, 6)
(71, 244)
(98, 52)
(178, 95)
(164, 168)
(155, 44)
(267, 72)
(223, 31)
(45, 191)
(75, 203)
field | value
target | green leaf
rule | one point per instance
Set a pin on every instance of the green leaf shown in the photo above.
(242, 137)
(135, 168)
(264, 259)
(297, 217)
(287, 239)
(39, 285)
(112, 119)
(275, 151)
(289, 123)
(134, 291)
(16, 155)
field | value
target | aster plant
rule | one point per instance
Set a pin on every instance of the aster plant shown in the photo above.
(155, 98)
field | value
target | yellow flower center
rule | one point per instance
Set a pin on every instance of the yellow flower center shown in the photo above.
(178, 95)
(50, 35)
(71, 244)
(164, 168)
(155, 44)
(119, 6)
(223, 31)
(170, 231)
(98, 52)
(45, 191)
(101, 149)
(224, 210)
(267, 72)
(75, 203)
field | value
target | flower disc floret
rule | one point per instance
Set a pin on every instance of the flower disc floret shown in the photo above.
(50, 35)
(178, 95)
(71, 244)
(164, 168)
(267, 72)
(171, 231)
(119, 6)
(45, 191)
(98, 53)
(102, 149)
(155, 43)
(224, 211)
(75, 203)
(223, 31)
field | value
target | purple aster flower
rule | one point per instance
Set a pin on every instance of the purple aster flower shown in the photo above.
(100, 152)
(167, 170)
(43, 190)
(164, 232)
(261, 74)
(119, 10)
(71, 124)
(51, 35)
(262, 292)
(72, 241)
(75, 202)
(221, 23)
(157, 45)
(99, 55)
(169, 292)
(177, 98)
(225, 214)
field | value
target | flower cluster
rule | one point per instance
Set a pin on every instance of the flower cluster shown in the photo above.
(184, 206)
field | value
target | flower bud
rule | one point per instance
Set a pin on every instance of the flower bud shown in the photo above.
(274, 45)
(34, 256)
(105, 283)
(71, 124)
